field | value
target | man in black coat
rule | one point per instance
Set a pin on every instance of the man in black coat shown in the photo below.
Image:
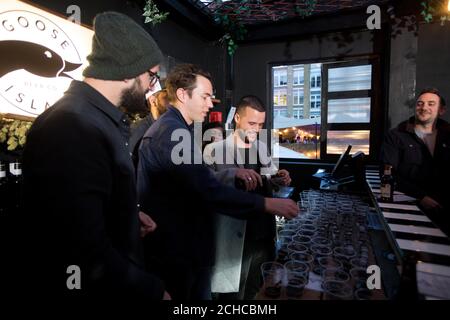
(81, 218)
(419, 151)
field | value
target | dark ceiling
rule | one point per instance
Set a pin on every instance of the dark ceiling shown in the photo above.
(251, 12)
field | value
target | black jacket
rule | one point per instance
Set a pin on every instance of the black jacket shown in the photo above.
(183, 197)
(81, 201)
(416, 171)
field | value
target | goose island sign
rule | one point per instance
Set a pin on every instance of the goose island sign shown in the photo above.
(40, 55)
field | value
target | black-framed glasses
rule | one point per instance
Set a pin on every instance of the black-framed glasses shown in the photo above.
(154, 77)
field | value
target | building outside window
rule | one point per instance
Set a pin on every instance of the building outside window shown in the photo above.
(346, 98)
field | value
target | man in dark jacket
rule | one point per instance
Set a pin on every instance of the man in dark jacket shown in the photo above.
(419, 151)
(182, 194)
(81, 213)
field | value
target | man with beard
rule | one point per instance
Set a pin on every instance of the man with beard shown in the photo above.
(243, 245)
(158, 104)
(81, 221)
(419, 151)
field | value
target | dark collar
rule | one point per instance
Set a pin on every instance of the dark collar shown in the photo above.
(177, 114)
(98, 100)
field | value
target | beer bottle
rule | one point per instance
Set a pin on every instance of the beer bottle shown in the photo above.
(387, 184)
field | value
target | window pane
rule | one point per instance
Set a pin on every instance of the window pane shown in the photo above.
(350, 78)
(337, 141)
(349, 110)
(299, 142)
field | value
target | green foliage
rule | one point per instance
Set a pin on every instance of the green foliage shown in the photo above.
(234, 31)
(13, 133)
(432, 8)
(152, 13)
(308, 10)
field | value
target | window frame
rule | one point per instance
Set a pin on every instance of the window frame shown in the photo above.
(377, 112)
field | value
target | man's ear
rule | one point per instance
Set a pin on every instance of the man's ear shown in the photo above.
(237, 118)
(181, 95)
(442, 110)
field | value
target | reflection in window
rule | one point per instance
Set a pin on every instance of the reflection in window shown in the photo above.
(337, 141)
(355, 110)
(350, 78)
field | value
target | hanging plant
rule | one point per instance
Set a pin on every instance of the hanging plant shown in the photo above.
(152, 13)
(234, 31)
(431, 8)
(307, 9)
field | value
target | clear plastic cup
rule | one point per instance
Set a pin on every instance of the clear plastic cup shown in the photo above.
(337, 290)
(295, 285)
(273, 274)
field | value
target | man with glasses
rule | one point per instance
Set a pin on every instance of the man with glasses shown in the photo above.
(182, 196)
(79, 180)
(419, 151)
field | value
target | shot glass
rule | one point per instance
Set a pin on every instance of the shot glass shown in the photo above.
(273, 274)
(297, 266)
(338, 274)
(303, 257)
(295, 285)
(296, 247)
(302, 239)
(363, 294)
(359, 278)
(336, 290)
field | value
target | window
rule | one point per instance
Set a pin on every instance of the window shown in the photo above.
(297, 97)
(315, 81)
(280, 77)
(299, 78)
(336, 112)
(348, 97)
(315, 101)
(297, 113)
(280, 97)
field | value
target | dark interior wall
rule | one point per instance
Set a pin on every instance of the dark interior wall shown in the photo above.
(418, 60)
(174, 40)
(402, 77)
(433, 59)
(185, 46)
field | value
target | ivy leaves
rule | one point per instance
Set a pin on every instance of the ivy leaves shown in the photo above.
(152, 13)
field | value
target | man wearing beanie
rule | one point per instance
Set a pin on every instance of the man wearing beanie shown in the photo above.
(81, 217)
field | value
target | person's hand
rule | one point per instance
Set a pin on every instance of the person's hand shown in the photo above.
(250, 178)
(429, 203)
(282, 178)
(166, 296)
(147, 224)
(281, 207)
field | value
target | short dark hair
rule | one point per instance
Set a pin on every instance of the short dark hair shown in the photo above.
(183, 76)
(434, 91)
(251, 102)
